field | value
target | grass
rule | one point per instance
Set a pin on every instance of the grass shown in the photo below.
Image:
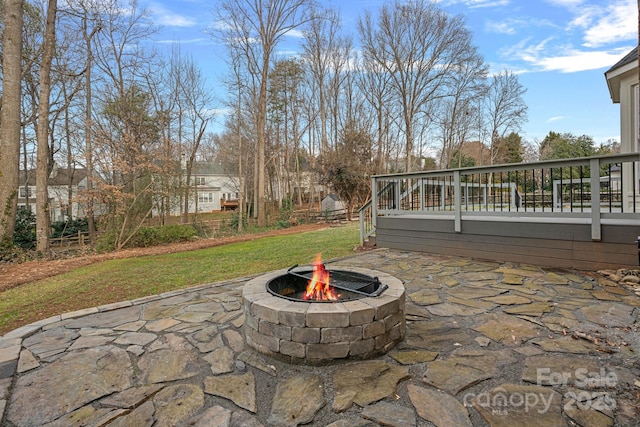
(126, 279)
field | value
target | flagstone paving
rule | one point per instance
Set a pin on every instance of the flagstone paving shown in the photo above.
(487, 344)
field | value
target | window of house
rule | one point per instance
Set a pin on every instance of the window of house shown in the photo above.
(200, 180)
(205, 197)
(25, 192)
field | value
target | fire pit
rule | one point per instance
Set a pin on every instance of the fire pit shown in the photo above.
(318, 315)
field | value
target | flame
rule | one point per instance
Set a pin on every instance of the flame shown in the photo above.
(318, 287)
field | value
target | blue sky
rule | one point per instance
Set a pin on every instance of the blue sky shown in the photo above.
(560, 50)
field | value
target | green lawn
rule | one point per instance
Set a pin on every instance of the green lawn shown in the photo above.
(131, 278)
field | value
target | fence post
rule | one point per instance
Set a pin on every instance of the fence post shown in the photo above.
(596, 229)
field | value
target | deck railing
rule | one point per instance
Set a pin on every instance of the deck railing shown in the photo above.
(589, 189)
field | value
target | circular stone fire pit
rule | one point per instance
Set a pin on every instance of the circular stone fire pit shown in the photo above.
(317, 332)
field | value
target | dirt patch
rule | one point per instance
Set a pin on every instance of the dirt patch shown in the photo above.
(12, 275)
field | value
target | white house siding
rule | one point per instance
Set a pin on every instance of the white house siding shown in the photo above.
(622, 80)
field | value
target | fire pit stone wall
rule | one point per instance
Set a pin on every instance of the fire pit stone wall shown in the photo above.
(317, 332)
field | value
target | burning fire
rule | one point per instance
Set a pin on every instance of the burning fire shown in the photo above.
(318, 287)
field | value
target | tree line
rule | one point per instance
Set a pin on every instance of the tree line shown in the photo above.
(83, 86)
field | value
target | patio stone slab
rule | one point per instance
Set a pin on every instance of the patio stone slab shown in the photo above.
(365, 382)
(609, 314)
(176, 404)
(296, 401)
(505, 329)
(75, 379)
(240, 389)
(566, 344)
(516, 405)
(438, 407)
(412, 357)
(439, 376)
(389, 414)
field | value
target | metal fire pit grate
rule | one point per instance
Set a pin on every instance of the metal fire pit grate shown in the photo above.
(351, 285)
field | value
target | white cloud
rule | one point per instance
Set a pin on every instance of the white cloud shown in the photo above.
(474, 4)
(566, 3)
(617, 22)
(565, 59)
(295, 33)
(556, 118)
(602, 22)
(575, 60)
(501, 27)
(199, 40)
(512, 26)
(162, 16)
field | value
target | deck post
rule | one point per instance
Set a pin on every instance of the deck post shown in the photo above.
(457, 189)
(596, 230)
(374, 203)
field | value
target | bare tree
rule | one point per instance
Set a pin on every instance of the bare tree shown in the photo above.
(42, 131)
(195, 103)
(505, 108)
(254, 29)
(373, 85)
(10, 117)
(419, 46)
(458, 113)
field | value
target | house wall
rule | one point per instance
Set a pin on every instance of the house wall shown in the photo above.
(562, 245)
(628, 115)
(58, 201)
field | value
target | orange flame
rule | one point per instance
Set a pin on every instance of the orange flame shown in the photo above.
(318, 288)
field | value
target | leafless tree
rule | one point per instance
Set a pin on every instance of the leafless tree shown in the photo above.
(458, 114)
(505, 108)
(42, 131)
(10, 117)
(254, 29)
(420, 46)
(373, 84)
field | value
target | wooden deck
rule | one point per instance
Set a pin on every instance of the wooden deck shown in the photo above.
(590, 233)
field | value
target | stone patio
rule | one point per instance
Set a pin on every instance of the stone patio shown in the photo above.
(486, 344)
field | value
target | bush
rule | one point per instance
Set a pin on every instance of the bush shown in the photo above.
(235, 221)
(153, 236)
(24, 235)
(70, 227)
(148, 236)
(9, 251)
(106, 242)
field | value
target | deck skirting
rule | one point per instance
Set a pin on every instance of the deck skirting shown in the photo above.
(553, 244)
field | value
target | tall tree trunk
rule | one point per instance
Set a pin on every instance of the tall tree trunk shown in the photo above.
(42, 132)
(88, 129)
(10, 117)
(240, 157)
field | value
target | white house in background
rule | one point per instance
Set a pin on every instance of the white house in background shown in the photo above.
(211, 189)
(622, 80)
(64, 186)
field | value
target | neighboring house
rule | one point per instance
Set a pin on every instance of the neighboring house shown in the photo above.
(64, 186)
(210, 189)
(622, 80)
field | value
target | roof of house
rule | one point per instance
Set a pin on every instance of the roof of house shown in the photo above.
(59, 176)
(624, 68)
(627, 59)
(208, 168)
